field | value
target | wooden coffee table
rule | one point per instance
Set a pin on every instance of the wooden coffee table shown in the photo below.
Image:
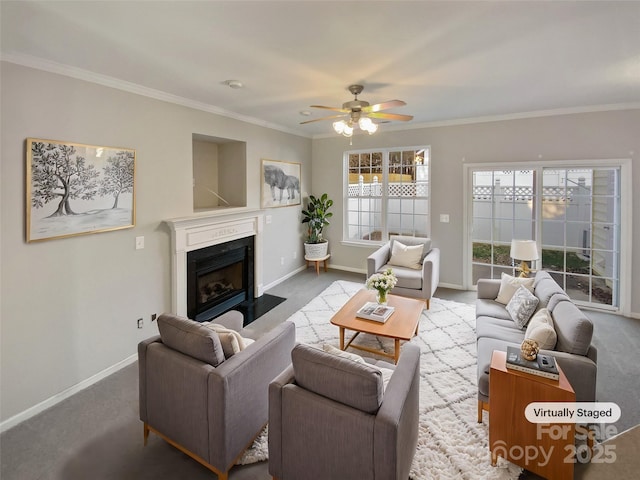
(401, 325)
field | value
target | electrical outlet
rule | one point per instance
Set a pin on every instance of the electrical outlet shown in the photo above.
(281, 260)
(295, 255)
(153, 317)
(140, 322)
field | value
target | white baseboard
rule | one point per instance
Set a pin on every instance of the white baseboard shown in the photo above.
(282, 279)
(57, 398)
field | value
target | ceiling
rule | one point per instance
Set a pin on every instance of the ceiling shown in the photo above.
(450, 61)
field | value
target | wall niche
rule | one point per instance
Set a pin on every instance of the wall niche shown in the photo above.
(219, 173)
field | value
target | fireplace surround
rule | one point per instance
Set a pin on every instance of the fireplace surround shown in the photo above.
(199, 232)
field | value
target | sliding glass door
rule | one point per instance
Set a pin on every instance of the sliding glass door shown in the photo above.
(572, 213)
(581, 232)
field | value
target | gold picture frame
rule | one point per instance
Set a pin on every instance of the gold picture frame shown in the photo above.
(77, 189)
(280, 183)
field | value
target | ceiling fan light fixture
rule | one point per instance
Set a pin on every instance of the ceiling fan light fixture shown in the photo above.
(348, 130)
(339, 127)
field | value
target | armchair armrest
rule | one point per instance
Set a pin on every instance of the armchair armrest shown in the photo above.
(275, 420)
(142, 375)
(241, 385)
(377, 259)
(397, 420)
(431, 272)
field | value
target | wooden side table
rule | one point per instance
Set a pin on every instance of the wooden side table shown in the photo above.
(546, 450)
(317, 262)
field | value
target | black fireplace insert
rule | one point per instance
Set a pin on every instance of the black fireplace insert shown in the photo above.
(219, 278)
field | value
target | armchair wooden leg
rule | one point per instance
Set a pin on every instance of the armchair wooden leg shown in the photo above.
(145, 434)
(428, 303)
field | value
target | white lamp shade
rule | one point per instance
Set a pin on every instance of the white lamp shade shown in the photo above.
(524, 250)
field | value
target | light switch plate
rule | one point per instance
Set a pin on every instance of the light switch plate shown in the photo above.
(444, 218)
(139, 243)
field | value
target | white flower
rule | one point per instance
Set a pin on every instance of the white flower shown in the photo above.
(382, 282)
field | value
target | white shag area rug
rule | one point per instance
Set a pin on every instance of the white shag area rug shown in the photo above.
(451, 444)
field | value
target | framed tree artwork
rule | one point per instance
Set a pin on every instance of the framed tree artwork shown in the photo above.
(280, 183)
(76, 189)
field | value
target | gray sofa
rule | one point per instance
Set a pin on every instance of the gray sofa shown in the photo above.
(330, 418)
(205, 401)
(495, 330)
(412, 282)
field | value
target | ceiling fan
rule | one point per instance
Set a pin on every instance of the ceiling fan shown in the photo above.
(360, 113)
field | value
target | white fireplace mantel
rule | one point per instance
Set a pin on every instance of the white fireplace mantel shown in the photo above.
(200, 231)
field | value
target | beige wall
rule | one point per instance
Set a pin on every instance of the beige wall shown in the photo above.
(69, 306)
(205, 174)
(588, 136)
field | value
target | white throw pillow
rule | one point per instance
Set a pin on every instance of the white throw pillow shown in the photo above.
(341, 353)
(521, 306)
(232, 342)
(406, 255)
(509, 285)
(386, 372)
(541, 330)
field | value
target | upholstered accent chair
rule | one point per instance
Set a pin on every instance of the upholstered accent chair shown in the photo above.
(205, 395)
(331, 418)
(418, 272)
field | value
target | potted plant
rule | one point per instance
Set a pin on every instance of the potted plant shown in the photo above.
(316, 215)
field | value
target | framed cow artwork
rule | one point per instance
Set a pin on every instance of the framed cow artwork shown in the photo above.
(280, 183)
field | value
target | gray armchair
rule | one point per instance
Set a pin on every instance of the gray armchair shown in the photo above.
(209, 406)
(331, 418)
(417, 283)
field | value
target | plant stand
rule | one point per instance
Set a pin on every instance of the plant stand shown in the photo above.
(317, 262)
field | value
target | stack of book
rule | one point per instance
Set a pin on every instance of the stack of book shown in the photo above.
(374, 311)
(543, 365)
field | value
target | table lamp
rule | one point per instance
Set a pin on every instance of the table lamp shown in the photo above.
(525, 251)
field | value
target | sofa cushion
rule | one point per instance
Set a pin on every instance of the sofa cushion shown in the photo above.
(486, 346)
(191, 338)
(499, 329)
(545, 289)
(409, 256)
(491, 308)
(509, 285)
(573, 328)
(541, 330)
(357, 385)
(521, 306)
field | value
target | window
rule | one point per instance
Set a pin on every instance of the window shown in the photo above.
(387, 193)
(572, 213)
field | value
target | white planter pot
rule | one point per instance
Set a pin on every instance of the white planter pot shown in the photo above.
(315, 250)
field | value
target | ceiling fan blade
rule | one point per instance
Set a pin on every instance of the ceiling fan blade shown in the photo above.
(391, 116)
(384, 106)
(335, 109)
(324, 118)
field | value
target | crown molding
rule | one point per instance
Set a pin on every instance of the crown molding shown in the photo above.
(506, 117)
(112, 82)
(130, 87)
